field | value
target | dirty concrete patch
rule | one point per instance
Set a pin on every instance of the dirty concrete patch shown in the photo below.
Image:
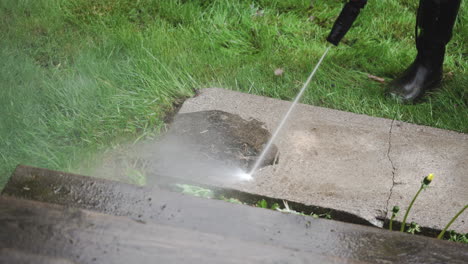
(9, 255)
(341, 160)
(206, 146)
(224, 136)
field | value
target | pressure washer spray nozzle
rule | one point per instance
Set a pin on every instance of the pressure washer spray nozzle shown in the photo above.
(345, 20)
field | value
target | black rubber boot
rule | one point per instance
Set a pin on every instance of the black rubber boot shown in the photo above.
(435, 20)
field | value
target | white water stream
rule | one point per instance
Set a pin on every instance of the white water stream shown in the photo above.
(285, 118)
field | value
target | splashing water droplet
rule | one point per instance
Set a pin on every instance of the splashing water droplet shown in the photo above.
(243, 176)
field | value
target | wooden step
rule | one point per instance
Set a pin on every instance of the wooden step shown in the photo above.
(237, 222)
(34, 232)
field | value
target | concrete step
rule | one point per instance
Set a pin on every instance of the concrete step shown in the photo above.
(326, 241)
(354, 163)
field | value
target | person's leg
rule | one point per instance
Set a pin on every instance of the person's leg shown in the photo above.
(435, 20)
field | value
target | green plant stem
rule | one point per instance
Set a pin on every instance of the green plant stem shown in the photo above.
(409, 208)
(391, 222)
(441, 235)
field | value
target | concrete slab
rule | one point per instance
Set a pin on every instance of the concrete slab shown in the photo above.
(200, 146)
(417, 151)
(9, 255)
(359, 164)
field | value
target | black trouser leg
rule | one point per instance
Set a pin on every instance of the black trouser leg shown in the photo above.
(435, 21)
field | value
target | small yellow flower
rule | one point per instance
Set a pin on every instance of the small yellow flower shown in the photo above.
(428, 179)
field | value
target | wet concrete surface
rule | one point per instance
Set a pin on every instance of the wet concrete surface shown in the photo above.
(206, 146)
(14, 256)
(223, 136)
(203, 145)
(174, 228)
(353, 163)
(123, 199)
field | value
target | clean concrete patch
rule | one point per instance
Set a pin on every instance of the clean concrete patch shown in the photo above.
(355, 163)
(417, 151)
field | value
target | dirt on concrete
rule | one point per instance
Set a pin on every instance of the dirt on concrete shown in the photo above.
(200, 146)
(226, 135)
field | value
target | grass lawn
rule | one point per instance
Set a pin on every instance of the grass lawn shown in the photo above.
(79, 76)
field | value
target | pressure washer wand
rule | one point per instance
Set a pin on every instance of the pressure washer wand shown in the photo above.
(345, 20)
(342, 25)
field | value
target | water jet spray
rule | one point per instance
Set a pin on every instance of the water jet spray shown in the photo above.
(343, 23)
(286, 116)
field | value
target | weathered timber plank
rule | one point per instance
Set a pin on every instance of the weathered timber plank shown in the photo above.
(82, 236)
(300, 233)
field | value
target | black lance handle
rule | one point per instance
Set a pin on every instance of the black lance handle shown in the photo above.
(345, 20)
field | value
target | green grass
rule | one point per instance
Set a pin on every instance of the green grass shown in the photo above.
(78, 77)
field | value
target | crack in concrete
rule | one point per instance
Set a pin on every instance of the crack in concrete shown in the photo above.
(393, 167)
